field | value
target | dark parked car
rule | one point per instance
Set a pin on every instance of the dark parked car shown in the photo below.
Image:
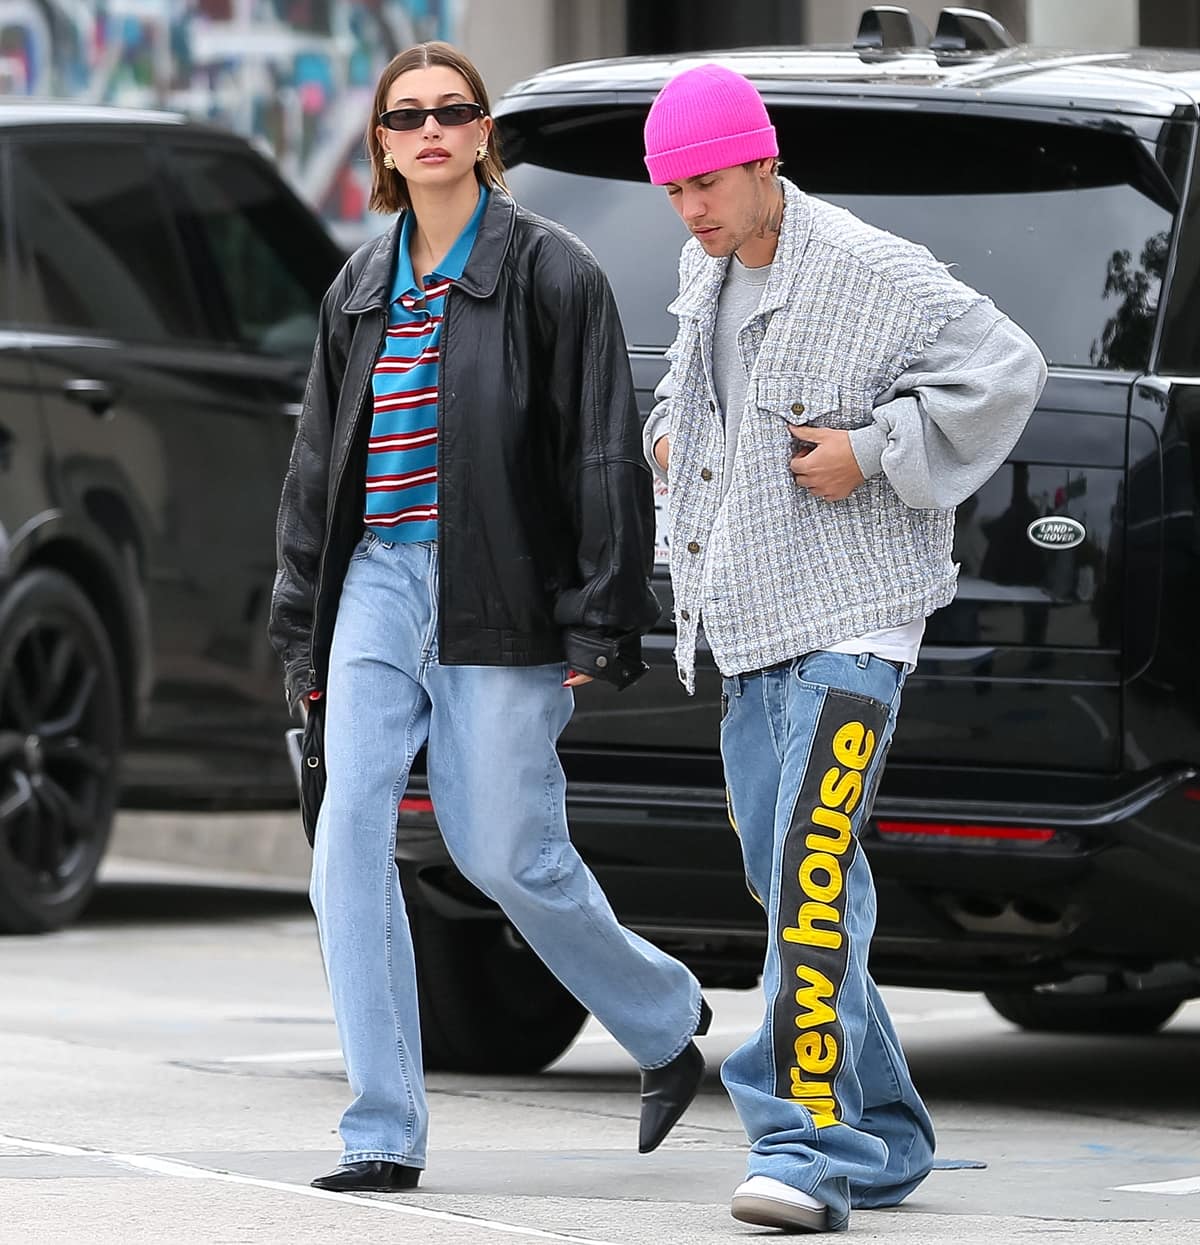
(159, 288)
(1037, 835)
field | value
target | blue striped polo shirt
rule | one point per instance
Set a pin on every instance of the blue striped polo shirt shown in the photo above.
(402, 454)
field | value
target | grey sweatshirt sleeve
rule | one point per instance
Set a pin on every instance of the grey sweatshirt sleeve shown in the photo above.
(658, 422)
(953, 416)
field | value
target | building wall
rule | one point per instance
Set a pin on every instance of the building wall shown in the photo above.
(511, 39)
(297, 75)
(1091, 23)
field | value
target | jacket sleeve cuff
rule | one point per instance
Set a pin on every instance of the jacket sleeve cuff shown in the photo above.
(868, 445)
(611, 659)
(298, 680)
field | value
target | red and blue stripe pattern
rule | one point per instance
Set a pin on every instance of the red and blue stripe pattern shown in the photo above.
(401, 488)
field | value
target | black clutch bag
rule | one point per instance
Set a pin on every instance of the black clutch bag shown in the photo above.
(306, 748)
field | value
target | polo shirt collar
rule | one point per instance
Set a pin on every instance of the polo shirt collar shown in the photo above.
(451, 267)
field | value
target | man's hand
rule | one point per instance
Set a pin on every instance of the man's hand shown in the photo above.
(662, 452)
(829, 469)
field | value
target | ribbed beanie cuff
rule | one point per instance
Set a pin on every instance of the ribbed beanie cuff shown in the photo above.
(706, 118)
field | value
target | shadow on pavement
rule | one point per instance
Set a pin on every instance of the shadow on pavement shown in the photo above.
(1149, 1079)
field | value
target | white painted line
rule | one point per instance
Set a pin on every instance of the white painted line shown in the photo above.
(1190, 1184)
(192, 1171)
(285, 1056)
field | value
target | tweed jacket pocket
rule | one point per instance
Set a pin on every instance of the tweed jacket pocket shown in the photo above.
(799, 399)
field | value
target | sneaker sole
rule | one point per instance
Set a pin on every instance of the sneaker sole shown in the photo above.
(769, 1212)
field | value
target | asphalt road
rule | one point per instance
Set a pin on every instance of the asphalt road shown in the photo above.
(169, 1073)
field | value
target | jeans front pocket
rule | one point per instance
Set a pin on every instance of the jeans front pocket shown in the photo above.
(364, 547)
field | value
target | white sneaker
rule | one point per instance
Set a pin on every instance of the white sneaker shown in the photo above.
(773, 1204)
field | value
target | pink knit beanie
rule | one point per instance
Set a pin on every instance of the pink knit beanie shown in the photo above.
(705, 119)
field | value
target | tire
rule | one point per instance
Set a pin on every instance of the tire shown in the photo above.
(60, 727)
(488, 1004)
(1100, 1015)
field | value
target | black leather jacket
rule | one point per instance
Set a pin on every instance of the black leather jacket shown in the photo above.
(546, 513)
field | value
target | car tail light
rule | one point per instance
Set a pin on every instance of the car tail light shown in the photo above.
(950, 830)
(416, 804)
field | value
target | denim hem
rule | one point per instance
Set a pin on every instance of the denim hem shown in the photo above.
(382, 1156)
(688, 1037)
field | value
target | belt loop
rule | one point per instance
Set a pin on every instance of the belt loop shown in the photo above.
(864, 660)
(736, 680)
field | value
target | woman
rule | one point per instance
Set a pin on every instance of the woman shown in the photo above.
(464, 537)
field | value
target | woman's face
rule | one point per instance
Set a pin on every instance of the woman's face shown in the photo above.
(434, 154)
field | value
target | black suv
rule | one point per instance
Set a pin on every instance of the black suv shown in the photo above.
(159, 290)
(1037, 835)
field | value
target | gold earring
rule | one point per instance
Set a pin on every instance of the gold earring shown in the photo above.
(389, 161)
(481, 152)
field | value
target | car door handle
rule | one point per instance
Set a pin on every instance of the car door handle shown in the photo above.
(293, 410)
(97, 395)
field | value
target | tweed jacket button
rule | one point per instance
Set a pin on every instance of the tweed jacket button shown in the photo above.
(693, 547)
(705, 474)
(684, 615)
(712, 406)
(797, 408)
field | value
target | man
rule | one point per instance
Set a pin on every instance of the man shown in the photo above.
(833, 394)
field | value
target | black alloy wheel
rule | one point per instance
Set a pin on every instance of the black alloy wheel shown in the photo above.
(59, 747)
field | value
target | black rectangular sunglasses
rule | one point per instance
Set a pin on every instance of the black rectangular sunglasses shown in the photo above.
(414, 118)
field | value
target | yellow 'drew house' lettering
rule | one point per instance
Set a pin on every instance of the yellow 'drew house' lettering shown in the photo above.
(818, 921)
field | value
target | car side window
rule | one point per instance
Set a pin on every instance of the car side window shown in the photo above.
(270, 266)
(94, 232)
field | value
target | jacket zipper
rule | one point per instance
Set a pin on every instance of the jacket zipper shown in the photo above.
(444, 354)
(337, 488)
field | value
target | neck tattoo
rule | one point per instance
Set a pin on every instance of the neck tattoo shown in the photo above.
(773, 219)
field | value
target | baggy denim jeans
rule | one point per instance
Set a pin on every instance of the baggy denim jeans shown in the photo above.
(822, 1089)
(499, 795)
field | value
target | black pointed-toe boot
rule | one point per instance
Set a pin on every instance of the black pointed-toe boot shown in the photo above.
(667, 1092)
(374, 1176)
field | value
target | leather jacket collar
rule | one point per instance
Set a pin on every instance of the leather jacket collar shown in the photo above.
(479, 279)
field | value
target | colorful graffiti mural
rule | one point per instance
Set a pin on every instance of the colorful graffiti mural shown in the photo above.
(295, 74)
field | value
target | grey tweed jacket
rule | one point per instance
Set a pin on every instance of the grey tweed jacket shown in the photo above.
(772, 571)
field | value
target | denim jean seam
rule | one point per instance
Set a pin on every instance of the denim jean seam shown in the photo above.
(770, 717)
(377, 1156)
(410, 754)
(687, 1039)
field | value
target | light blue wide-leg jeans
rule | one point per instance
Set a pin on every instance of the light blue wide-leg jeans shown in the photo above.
(499, 795)
(822, 1088)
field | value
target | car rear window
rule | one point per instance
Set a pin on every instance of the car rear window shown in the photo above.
(1066, 227)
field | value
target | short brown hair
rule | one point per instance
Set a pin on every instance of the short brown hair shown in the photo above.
(389, 191)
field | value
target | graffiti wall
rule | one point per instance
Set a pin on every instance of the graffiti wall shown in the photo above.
(295, 74)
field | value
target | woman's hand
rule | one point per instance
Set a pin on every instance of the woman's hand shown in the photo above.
(574, 679)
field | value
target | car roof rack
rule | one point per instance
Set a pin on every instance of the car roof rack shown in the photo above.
(969, 30)
(885, 26)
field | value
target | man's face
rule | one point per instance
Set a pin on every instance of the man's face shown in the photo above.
(726, 208)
